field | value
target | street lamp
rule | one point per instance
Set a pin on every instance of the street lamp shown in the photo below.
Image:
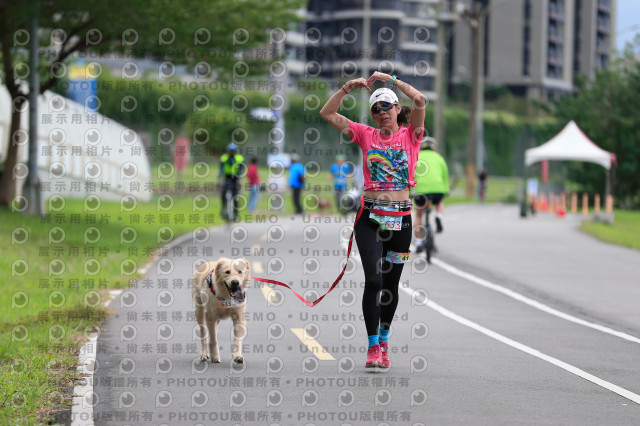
(475, 16)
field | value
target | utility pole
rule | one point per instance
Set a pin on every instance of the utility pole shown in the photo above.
(364, 94)
(482, 15)
(32, 184)
(366, 55)
(444, 17)
(279, 94)
(475, 121)
(438, 128)
(476, 15)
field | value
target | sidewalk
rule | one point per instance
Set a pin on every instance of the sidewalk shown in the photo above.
(546, 257)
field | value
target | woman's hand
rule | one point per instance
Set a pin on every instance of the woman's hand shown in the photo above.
(378, 76)
(359, 83)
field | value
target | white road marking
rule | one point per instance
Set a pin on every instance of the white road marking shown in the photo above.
(313, 345)
(533, 352)
(267, 289)
(268, 293)
(533, 303)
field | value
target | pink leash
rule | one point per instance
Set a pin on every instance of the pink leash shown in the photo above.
(335, 283)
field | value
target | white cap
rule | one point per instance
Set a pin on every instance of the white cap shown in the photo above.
(383, 95)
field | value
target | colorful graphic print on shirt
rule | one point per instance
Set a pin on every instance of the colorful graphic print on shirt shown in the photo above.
(389, 169)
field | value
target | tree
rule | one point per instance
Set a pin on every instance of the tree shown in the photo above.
(607, 109)
(221, 127)
(215, 35)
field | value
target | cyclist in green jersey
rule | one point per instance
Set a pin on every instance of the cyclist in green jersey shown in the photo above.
(432, 176)
(232, 169)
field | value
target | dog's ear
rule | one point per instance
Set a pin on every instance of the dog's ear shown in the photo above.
(217, 272)
(247, 272)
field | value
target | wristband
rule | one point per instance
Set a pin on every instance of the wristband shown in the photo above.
(393, 79)
(344, 90)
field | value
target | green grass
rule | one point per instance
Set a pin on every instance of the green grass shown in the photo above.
(499, 189)
(625, 231)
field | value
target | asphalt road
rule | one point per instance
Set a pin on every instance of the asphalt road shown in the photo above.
(518, 321)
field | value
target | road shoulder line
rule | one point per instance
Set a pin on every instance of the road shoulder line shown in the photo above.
(531, 302)
(533, 352)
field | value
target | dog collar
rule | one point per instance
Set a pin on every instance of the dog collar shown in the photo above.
(209, 282)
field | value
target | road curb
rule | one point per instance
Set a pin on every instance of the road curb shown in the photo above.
(81, 409)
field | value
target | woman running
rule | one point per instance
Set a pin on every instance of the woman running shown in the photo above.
(383, 231)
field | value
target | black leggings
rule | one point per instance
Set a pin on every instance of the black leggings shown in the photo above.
(381, 278)
(296, 200)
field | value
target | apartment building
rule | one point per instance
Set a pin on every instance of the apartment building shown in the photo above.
(333, 42)
(536, 47)
(594, 35)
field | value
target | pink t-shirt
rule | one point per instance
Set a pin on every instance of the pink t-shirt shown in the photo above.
(389, 162)
(252, 174)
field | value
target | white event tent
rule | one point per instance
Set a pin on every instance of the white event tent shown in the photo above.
(571, 144)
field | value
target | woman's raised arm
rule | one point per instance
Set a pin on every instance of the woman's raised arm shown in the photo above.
(330, 110)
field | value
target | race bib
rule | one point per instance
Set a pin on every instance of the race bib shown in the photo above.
(231, 302)
(394, 257)
(389, 223)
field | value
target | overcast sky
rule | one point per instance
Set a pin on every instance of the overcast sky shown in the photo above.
(628, 21)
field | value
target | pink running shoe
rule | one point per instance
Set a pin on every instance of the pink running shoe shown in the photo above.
(384, 355)
(373, 357)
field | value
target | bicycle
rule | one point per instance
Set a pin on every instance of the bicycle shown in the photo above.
(228, 210)
(428, 241)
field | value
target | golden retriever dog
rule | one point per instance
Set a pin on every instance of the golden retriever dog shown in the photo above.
(218, 291)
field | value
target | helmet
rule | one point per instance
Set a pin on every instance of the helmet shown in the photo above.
(232, 147)
(429, 143)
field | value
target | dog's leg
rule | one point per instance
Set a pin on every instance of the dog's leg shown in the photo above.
(213, 340)
(204, 332)
(239, 331)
